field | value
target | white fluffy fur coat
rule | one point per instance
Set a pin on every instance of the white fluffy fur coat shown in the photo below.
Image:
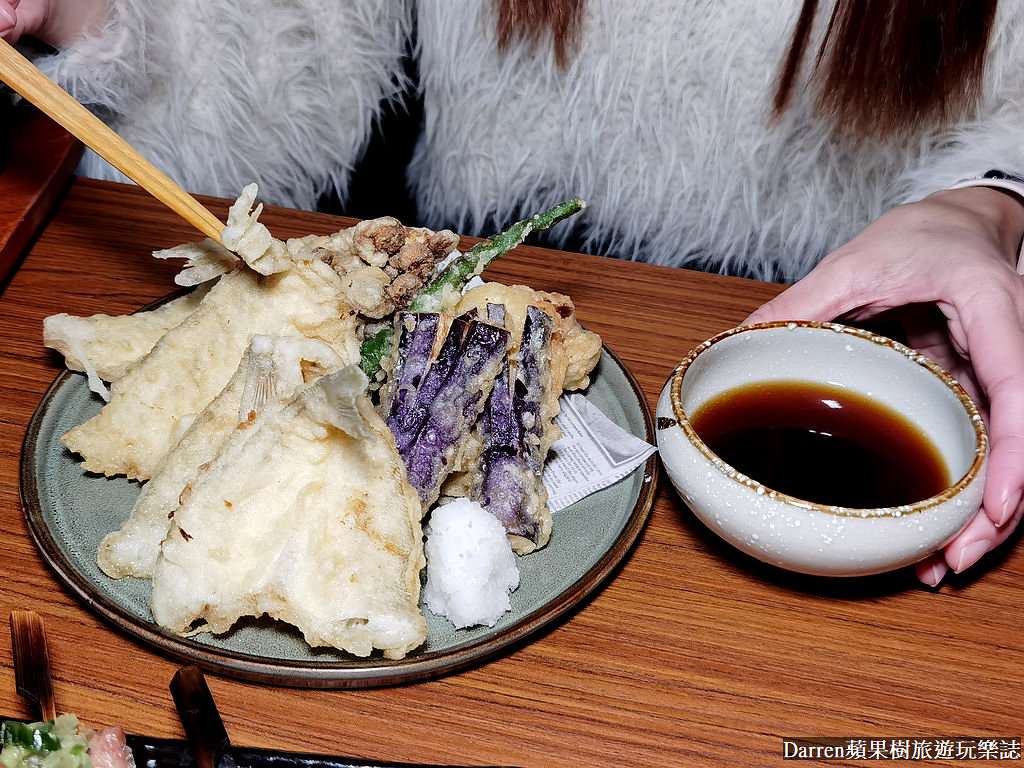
(221, 93)
(660, 122)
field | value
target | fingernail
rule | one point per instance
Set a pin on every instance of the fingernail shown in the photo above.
(971, 553)
(1009, 507)
(6, 19)
(932, 573)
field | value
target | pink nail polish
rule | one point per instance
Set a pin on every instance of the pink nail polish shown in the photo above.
(972, 553)
(1009, 507)
(932, 574)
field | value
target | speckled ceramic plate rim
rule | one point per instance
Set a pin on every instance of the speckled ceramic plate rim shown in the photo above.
(354, 673)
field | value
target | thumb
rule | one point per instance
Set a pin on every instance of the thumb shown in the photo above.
(806, 300)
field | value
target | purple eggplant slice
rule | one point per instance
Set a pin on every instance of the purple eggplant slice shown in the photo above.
(436, 400)
(417, 338)
(510, 484)
(423, 365)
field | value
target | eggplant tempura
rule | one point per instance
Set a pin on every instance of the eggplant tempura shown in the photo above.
(472, 397)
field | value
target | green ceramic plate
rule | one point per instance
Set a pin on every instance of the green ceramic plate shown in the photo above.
(69, 511)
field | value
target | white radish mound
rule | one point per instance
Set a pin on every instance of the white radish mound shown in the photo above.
(471, 569)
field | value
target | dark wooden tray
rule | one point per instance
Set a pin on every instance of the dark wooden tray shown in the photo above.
(39, 160)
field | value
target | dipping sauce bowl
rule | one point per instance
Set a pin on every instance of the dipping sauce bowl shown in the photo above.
(821, 536)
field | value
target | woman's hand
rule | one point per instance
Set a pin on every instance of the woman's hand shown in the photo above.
(954, 251)
(56, 22)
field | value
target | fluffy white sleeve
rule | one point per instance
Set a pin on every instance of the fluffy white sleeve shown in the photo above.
(222, 93)
(106, 70)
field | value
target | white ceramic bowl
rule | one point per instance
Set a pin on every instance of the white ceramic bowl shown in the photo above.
(818, 538)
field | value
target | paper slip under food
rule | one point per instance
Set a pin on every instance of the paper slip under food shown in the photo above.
(592, 453)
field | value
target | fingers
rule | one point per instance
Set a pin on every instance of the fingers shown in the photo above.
(823, 295)
(14, 21)
(27, 18)
(1006, 462)
(846, 281)
(979, 537)
(932, 569)
(993, 328)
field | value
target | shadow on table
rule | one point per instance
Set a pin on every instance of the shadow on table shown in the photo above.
(841, 588)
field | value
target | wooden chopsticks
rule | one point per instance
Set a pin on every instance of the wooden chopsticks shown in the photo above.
(25, 78)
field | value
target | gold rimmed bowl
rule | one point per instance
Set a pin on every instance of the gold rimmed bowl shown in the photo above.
(811, 516)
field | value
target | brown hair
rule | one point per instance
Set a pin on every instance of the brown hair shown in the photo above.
(885, 67)
(534, 19)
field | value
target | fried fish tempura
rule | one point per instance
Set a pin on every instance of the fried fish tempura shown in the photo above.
(104, 346)
(272, 369)
(321, 287)
(153, 404)
(307, 517)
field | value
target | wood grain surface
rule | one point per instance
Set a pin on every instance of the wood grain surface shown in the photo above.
(41, 158)
(692, 654)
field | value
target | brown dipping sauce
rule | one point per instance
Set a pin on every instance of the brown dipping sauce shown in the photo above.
(823, 444)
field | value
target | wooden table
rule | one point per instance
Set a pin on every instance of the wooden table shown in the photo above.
(692, 654)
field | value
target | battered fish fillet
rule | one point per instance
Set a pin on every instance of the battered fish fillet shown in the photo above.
(307, 517)
(104, 346)
(320, 287)
(153, 404)
(272, 369)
